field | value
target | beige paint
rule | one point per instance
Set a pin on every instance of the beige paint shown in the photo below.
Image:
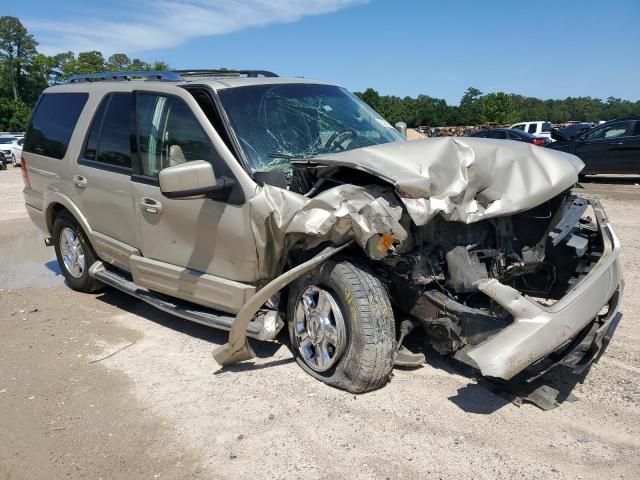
(201, 288)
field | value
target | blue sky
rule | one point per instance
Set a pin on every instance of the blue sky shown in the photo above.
(547, 49)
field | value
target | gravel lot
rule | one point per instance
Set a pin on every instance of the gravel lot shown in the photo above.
(162, 408)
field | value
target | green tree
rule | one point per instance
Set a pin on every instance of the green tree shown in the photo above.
(14, 115)
(497, 107)
(118, 62)
(17, 47)
(470, 106)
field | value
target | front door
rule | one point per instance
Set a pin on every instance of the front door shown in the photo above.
(605, 149)
(201, 235)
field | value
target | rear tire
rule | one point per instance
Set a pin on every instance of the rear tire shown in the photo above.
(74, 253)
(351, 327)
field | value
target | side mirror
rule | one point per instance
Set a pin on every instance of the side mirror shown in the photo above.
(402, 128)
(193, 180)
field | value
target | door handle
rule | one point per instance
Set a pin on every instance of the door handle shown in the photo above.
(150, 205)
(79, 181)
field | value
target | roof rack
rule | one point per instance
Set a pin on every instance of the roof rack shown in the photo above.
(166, 75)
(226, 73)
(156, 75)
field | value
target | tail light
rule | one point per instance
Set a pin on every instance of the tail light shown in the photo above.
(538, 141)
(25, 174)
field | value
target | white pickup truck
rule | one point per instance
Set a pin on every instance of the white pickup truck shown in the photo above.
(539, 128)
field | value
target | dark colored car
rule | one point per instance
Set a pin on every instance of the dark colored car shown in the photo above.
(511, 134)
(613, 147)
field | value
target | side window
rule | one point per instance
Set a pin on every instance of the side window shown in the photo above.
(169, 134)
(519, 126)
(512, 136)
(53, 123)
(498, 134)
(636, 131)
(109, 139)
(533, 128)
(613, 130)
(546, 127)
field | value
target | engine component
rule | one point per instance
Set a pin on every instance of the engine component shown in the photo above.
(465, 269)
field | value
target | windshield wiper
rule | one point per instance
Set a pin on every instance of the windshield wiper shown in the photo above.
(288, 156)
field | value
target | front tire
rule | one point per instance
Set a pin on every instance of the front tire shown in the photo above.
(74, 254)
(341, 326)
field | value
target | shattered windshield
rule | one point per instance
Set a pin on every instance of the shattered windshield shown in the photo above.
(278, 123)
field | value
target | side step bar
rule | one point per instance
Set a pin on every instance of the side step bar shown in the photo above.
(262, 327)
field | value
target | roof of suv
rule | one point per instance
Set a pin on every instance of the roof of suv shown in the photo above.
(217, 82)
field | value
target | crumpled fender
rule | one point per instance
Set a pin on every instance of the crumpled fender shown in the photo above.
(282, 220)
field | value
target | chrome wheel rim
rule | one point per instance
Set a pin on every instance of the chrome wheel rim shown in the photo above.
(72, 253)
(319, 330)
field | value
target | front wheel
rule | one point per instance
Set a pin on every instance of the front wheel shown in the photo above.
(341, 326)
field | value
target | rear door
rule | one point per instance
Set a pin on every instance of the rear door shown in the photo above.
(102, 180)
(608, 148)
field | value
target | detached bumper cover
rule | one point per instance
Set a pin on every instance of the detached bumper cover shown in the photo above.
(537, 330)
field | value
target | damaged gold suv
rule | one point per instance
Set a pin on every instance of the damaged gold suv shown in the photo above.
(249, 202)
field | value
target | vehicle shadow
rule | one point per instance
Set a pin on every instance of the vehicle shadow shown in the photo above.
(54, 267)
(211, 335)
(484, 396)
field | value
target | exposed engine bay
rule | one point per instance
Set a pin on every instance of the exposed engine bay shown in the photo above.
(542, 252)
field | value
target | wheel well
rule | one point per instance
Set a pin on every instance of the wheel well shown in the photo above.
(54, 210)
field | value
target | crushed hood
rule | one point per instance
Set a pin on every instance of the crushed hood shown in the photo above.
(463, 178)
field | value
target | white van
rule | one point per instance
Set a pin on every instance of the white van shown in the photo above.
(539, 128)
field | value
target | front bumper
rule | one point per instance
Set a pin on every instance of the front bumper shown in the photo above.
(537, 331)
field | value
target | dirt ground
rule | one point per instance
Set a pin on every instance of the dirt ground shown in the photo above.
(162, 408)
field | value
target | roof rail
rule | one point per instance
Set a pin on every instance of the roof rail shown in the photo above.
(156, 75)
(226, 73)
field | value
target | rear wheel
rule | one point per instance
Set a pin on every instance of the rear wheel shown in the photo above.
(74, 254)
(341, 327)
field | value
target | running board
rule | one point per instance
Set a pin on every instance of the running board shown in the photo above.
(264, 326)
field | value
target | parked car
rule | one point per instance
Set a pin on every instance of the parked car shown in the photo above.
(510, 134)
(539, 128)
(16, 151)
(5, 150)
(613, 147)
(251, 202)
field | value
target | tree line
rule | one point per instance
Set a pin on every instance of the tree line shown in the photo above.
(476, 108)
(25, 72)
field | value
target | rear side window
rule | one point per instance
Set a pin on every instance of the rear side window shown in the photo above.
(546, 127)
(533, 127)
(109, 139)
(53, 123)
